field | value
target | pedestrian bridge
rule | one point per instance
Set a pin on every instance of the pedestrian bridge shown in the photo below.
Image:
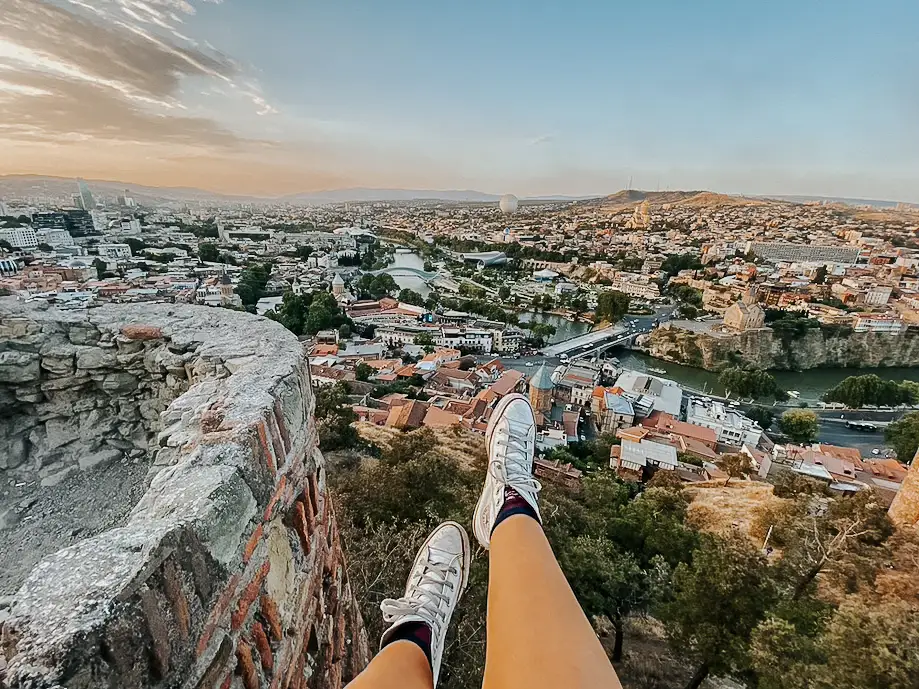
(406, 270)
(591, 340)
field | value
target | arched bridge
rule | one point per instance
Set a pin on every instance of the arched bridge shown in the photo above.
(405, 270)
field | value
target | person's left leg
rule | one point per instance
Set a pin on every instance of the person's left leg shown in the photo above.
(412, 648)
(400, 665)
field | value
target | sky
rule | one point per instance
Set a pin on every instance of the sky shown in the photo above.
(273, 97)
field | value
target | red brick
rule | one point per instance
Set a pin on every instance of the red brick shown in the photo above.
(279, 491)
(262, 646)
(227, 682)
(252, 543)
(301, 526)
(142, 332)
(266, 448)
(216, 613)
(269, 610)
(245, 666)
(249, 594)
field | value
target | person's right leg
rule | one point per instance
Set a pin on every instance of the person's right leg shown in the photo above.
(538, 636)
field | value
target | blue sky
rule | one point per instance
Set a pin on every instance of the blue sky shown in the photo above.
(531, 97)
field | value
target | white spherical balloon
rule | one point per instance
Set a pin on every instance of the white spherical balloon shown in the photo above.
(508, 204)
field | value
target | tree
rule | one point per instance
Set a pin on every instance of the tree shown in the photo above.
(737, 465)
(410, 296)
(762, 415)
(100, 267)
(800, 425)
(606, 581)
(292, 312)
(858, 391)
(5, 245)
(612, 306)
(689, 311)
(363, 371)
(334, 417)
(504, 293)
(839, 537)
(424, 339)
(344, 332)
(542, 331)
(208, 253)
(376, 286)
(820, 275)
(304, 251)
(324, 313)
(42, 246)
(252, 283)
(715, 602)
(903, 436)
(674, 263)
(747, 382)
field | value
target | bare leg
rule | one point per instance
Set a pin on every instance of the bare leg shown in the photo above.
(538, 636)
(400, 665)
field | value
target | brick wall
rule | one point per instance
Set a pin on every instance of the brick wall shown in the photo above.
(228, 572)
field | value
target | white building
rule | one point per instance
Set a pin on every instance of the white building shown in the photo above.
(469, 338)
(878, 296)
(55, 238)
(116, 251)
(878, 323)
(21, 237)
(731, 427)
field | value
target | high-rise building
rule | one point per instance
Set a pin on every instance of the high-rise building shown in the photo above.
(77, 201)
(4, 209)
(89, 203)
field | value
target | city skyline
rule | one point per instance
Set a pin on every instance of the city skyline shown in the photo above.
(500, 97)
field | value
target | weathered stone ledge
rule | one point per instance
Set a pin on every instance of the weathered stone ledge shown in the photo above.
(228, 571)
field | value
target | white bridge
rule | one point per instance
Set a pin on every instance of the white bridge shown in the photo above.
(593, 342)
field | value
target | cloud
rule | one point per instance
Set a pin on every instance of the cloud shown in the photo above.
(540, 140)
(109, 69)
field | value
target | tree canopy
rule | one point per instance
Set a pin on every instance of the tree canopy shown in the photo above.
(858, 391)
(800, 425)
(903, 436)
(748, 382)
(612, 306)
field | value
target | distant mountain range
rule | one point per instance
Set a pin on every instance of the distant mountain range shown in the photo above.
(25, 186)
(61, 188)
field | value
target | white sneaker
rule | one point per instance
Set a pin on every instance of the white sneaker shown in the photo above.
(511, 441)
(435, 585)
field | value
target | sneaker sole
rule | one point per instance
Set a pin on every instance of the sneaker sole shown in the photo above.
(484, 539)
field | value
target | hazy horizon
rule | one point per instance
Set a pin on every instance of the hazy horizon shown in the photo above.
(282, 98)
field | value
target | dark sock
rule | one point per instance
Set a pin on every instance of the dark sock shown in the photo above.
(417, 632)
(513, 504)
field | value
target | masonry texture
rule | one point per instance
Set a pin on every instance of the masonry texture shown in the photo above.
(161, 462)
(905, 508)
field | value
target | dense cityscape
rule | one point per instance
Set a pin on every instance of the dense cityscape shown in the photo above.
(654, 334)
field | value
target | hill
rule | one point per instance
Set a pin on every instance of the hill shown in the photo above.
(626, 199)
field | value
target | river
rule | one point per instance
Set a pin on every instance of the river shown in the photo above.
(409, 259)
(810, 384)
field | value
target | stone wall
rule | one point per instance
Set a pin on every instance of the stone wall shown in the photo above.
(904, 511)
(227, 572)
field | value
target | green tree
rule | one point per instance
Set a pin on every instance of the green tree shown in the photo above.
(606, 581)
(208, 253)
(376, 286)
(762, 415)
(411, 297)
(304, 251)
(800, 425)
(292, 312)
(715, 603)
(858, 391)
(674, 263)
(334, 417)
(820, 275)
(344, 332)
(252, 282)
(903, 436)
(504, 293)
(689, 311)
(612, 306)
(363, 371)
(424, 340)
(42, 246)
(324, 313)
(747, 382)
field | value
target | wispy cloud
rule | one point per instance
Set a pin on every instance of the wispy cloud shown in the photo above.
(110, 69)
(540, 140)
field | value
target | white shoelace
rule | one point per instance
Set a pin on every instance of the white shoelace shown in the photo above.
(514, 470)
(423, 602)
